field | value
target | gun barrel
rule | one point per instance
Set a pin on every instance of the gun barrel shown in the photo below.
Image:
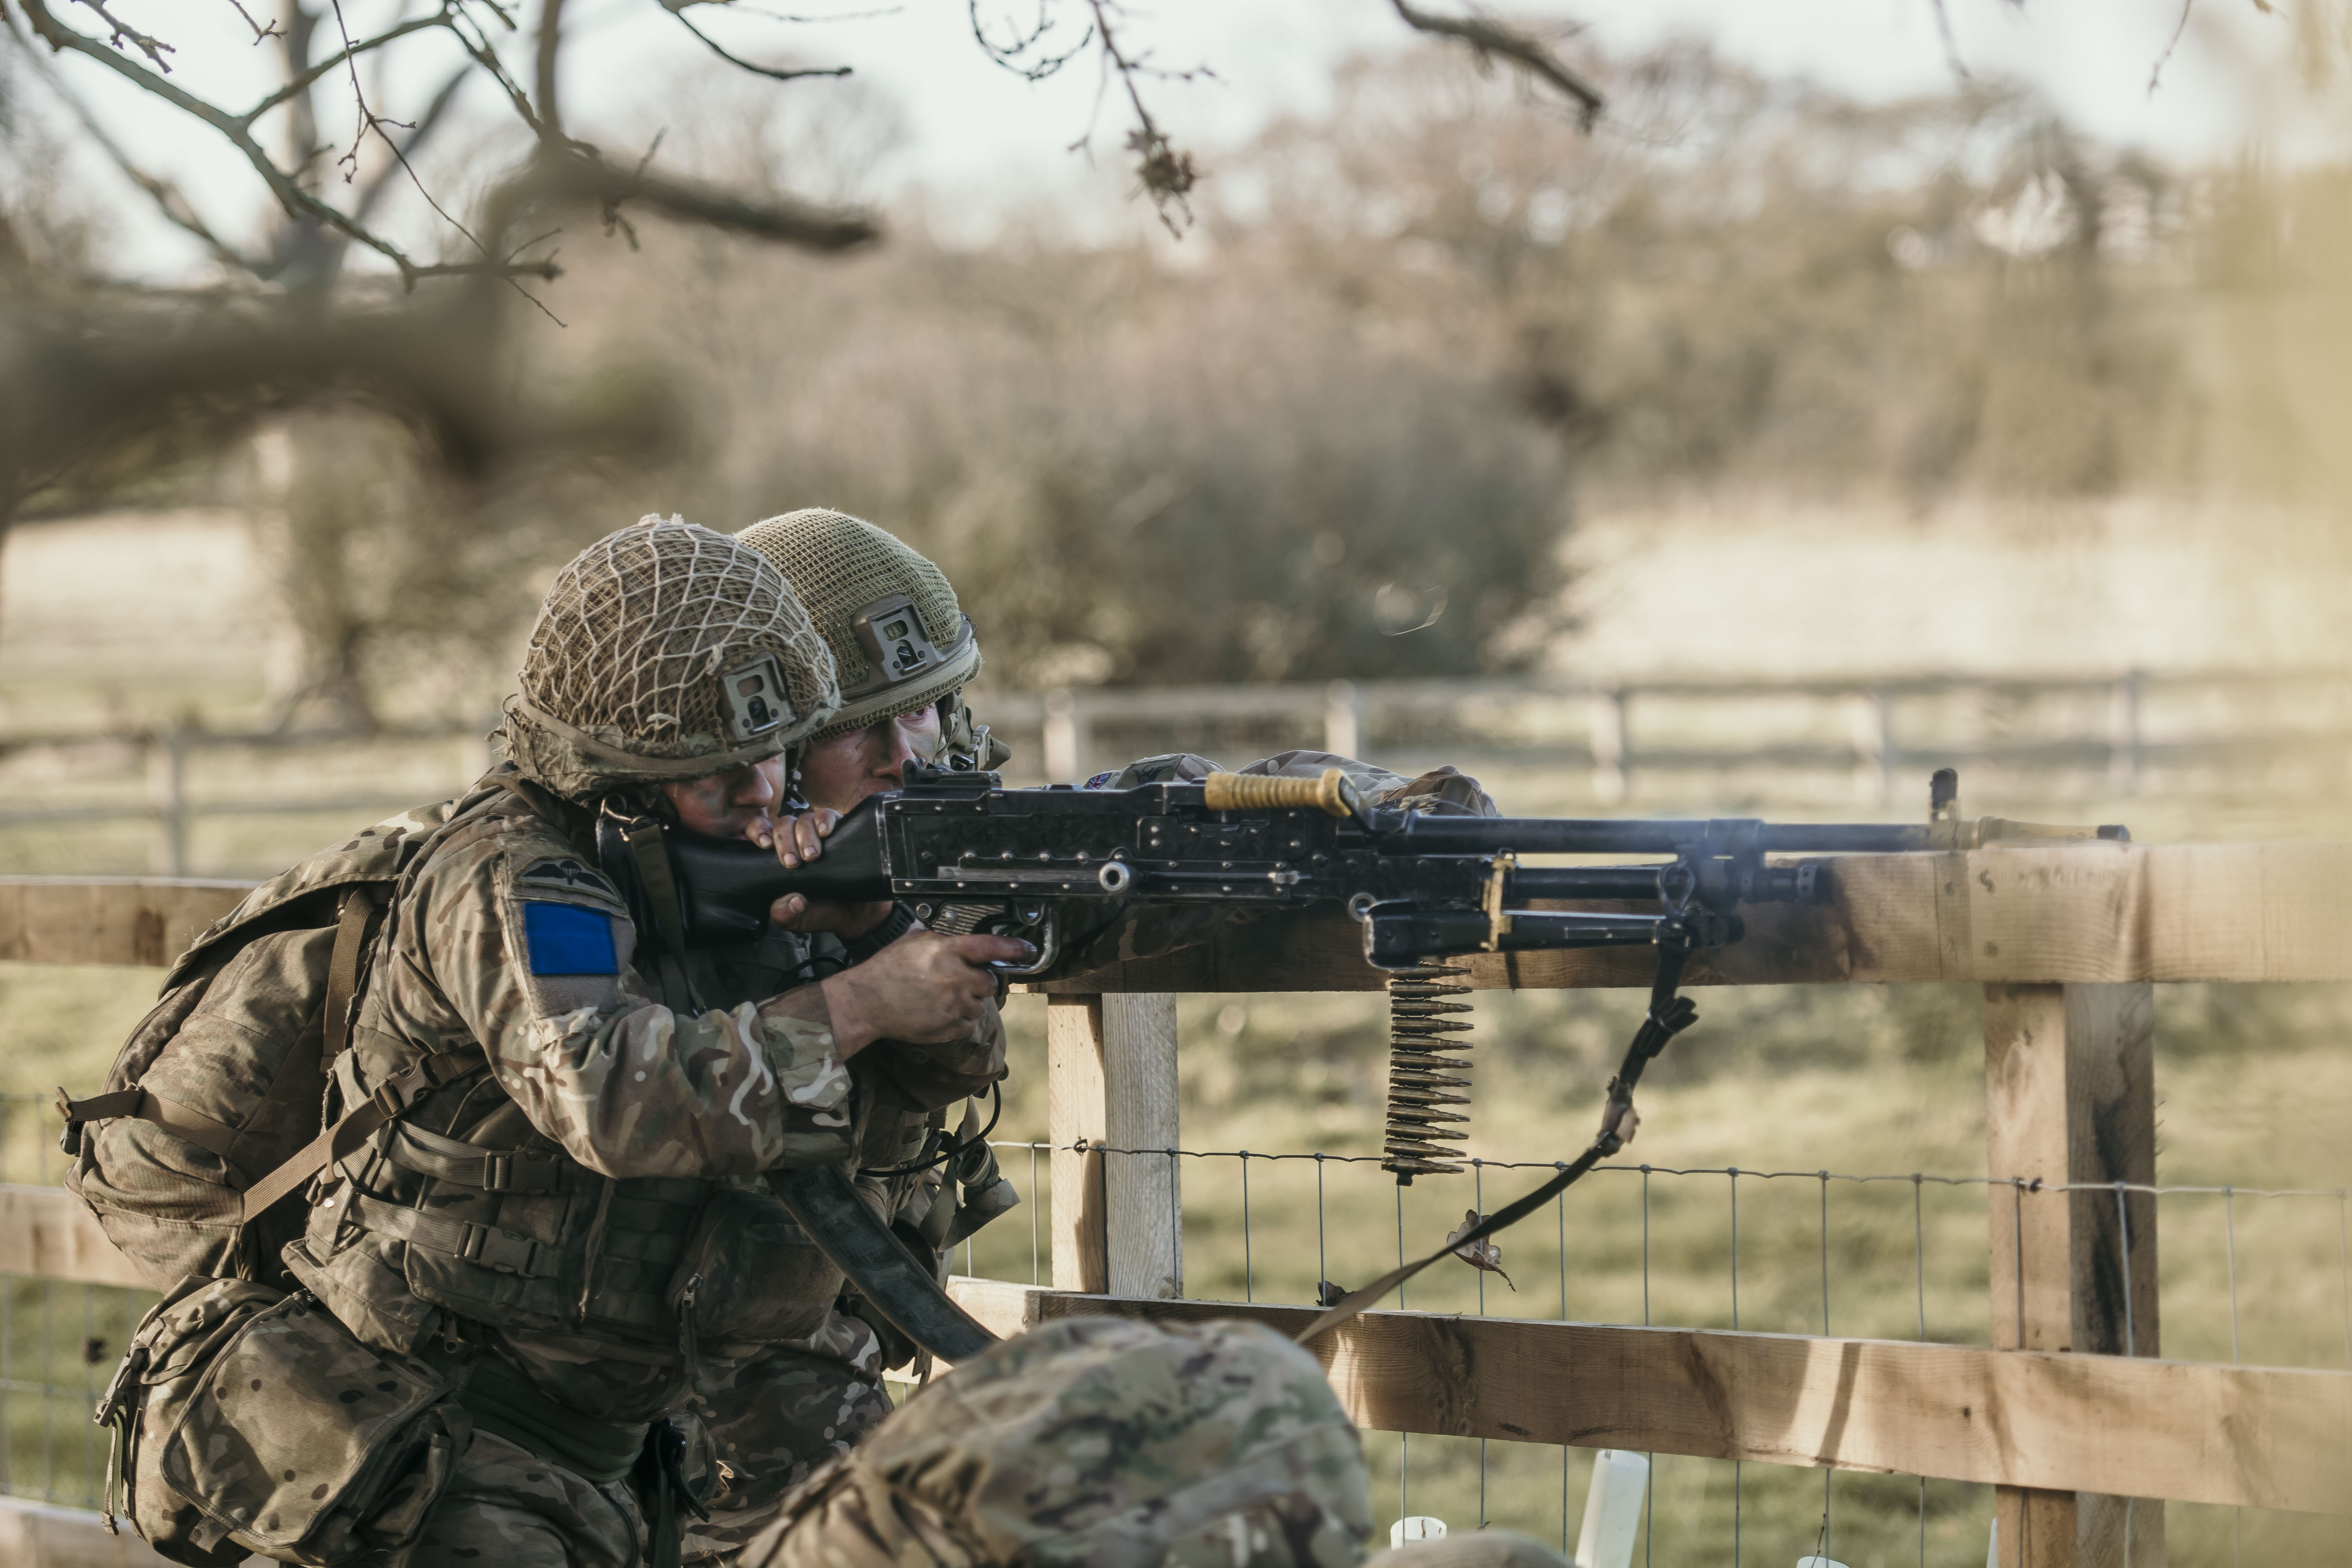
(1585, 882)
(1635, 835)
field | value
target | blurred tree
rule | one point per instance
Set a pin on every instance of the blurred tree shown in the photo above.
(1753, 281)
(118, 389)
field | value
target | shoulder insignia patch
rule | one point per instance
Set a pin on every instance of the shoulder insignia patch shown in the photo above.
(564, 872)
(565, 939)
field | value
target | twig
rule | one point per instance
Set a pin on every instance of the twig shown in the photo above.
(479, 46)
(350, 161)
(789, 16)
(773, 73)
(1951, 43)
(417, 133)
(152, 48)
(2156, 73)
(1008, 56)
(1490, 40)
(302, 82)
(296, 201)
(1167, 174)
(169, 201)
(259, 31)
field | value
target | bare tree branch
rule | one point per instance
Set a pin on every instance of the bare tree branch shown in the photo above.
(118, 30)
(1490, 40)
(1008, 55)
(550, 39)
(584, 176)
(1951, 43)
(296, 201)
(1167, 174)
(374, 189)
(86, 386)
(770, 72)
(300, 82)
(260, 33)
(2156, 73)
(169, 201)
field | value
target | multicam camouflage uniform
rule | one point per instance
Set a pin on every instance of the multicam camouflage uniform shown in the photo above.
(781, 1415)
(1097, 1442)
(576, 1213)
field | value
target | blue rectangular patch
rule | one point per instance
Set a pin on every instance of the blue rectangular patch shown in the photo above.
(564, 939)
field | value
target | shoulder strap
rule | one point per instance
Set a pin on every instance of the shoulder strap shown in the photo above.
(392, 1099)
(181, 1120)
(352, 920)
(649, 852)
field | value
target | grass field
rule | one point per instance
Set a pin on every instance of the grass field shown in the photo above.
(2253, 1085)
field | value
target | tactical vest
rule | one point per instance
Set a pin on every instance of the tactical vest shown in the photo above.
(463, 1207)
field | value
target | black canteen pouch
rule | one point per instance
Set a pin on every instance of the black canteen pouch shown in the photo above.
(750, 1276)
(295, 1441)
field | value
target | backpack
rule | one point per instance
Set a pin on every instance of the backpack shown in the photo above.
(210, 1115)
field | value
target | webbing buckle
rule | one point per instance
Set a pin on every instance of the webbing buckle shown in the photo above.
(501, 1251)
(498, 1173)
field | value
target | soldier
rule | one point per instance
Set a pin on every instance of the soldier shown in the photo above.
(902, 699)
(904, 651)
(1101, 1442)
(574, 1216)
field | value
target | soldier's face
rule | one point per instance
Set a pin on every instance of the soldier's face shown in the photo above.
(729, 804)
(843, 769)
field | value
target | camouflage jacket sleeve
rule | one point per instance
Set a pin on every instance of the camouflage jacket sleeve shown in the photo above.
(929, 1078)
(532, 948)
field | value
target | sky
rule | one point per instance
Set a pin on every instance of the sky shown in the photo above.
(980, 140)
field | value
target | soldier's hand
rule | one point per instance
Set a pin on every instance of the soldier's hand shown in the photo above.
(799, 839)
(925, 988)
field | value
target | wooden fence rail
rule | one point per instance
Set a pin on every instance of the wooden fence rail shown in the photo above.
(2070, 1413)
(1874, 732)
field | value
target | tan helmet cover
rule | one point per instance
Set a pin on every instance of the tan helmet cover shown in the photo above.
(622, 683)
(843, 568)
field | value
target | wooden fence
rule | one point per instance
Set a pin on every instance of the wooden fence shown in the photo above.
(2123, 729)
(2072, 1412)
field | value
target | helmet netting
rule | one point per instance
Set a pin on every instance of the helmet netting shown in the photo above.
(636, 629)
(838, 564)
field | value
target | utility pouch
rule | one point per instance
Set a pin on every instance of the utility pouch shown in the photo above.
(170, 1353)
(303, 1444)
(751, 1276)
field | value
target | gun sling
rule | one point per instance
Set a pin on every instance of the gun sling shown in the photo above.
(854, 1241)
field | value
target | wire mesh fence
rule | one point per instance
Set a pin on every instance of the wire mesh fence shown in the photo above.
(59, 1341)
(2249, 1275)
(2258, 1276)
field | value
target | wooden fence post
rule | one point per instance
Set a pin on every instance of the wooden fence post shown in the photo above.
(1074, 1111)
(2070, 1099)
(1110, 1079)
(1613, 766)
(167, 785)
(1343, 714)
(1065, 738)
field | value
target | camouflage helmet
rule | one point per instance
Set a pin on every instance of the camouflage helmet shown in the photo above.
(900, 639)
(1097, 1442)
(665, 651)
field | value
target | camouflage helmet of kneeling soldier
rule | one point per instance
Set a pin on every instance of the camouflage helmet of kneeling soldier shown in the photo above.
(666, 651)
(900, 641)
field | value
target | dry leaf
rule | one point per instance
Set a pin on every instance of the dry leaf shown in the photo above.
(1480, 1255)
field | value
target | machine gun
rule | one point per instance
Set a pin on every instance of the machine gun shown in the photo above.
(969, 855)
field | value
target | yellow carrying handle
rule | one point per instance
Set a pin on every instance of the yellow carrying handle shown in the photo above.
(1236, 792)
